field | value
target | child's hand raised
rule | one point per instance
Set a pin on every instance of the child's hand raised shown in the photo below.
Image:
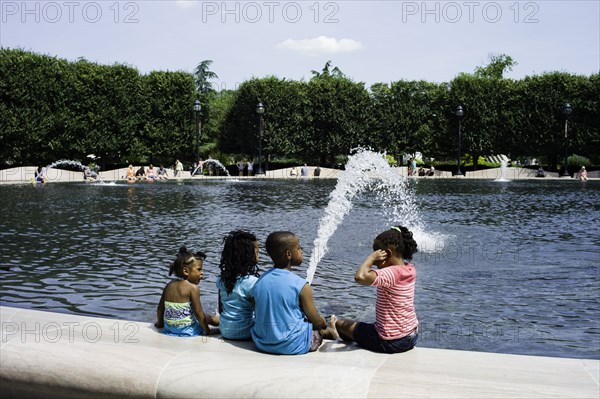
(364, 275)
(378, 256)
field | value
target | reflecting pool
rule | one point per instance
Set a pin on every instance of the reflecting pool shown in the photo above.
(515, 267)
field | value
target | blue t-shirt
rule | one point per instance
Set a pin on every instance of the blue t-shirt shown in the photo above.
(280, 326)
(237, 315)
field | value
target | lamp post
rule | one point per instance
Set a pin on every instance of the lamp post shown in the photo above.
(197, 109)
(459, 112)
(260, 110)
(566, 111)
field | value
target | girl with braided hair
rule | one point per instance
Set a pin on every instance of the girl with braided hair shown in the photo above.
(395, 328)
(239, 272)
(179, 311)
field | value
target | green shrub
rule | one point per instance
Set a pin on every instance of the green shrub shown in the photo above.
(485, 163)
(391, 160)
(576, 161)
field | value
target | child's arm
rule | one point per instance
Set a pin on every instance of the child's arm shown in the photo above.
(308, 306)
(197, 307)
(364, 275)
(160, 312)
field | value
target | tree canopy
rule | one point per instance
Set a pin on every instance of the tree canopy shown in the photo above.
(51, 108)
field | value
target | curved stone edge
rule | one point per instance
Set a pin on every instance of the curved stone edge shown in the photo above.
(46, 354)
(24, 174)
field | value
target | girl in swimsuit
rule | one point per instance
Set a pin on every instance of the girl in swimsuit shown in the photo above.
(179, 311)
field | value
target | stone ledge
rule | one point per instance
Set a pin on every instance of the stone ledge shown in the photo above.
(25, 174)
(53, 355)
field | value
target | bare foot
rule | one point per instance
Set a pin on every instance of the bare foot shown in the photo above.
(332, 327)
(213, 320)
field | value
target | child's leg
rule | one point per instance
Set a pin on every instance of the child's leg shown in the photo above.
(346, 328)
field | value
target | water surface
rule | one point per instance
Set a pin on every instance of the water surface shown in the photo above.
(516, 268)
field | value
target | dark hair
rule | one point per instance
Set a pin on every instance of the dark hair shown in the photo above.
(237, 258)
(277, 243)
(184, 258)
(399, 237)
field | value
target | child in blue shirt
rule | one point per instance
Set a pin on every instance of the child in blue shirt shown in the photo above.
(239, 272)
(287, 321)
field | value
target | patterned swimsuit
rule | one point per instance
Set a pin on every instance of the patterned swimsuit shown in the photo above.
(180, 320)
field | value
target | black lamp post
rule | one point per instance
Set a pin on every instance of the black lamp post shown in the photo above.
(197, 109)
(566, 111)
(459, 112)
(260, 110)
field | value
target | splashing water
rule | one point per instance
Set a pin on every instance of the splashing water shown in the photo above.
(76, 164)
(217, 164)
(502, 171)
(368, 170)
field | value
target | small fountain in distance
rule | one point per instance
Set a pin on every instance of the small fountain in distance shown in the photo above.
(502, 171)
(368, 170)
(75, 164)
(216, 163)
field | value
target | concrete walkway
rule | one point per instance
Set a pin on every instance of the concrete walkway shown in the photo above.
(52, 355)
(25, 174)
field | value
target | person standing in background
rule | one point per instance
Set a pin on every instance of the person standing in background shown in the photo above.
(178, 168)
(304, 171)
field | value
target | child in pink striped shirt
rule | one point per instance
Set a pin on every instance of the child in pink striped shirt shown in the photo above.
(395, 327)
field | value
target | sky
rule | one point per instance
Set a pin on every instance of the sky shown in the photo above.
(369, 41)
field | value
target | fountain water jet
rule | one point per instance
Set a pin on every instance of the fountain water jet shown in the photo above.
(502, 171)
(75, 164)
(216, 163)
(368, 170)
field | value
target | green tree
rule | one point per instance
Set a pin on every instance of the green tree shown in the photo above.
(339, 110)
(219, 106)
(202, 76)
(169, 131)
(104, 111)
(51, 109)
(541, 123)
(207, 96)
(495, 69)
(285, 117)
(483, 128)
(408, 117)
(328, 72)
(30, 95)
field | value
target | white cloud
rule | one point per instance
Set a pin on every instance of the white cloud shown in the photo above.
(321, 45)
